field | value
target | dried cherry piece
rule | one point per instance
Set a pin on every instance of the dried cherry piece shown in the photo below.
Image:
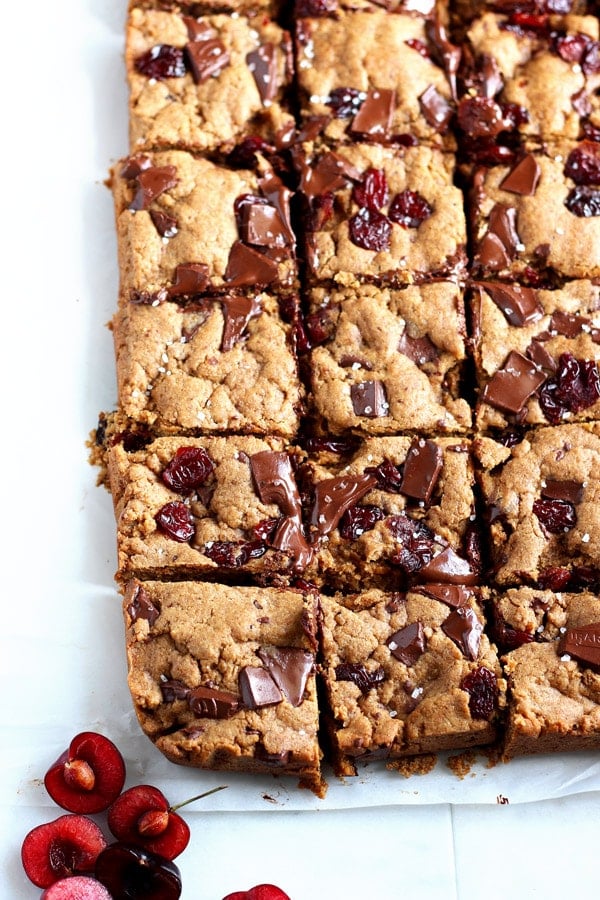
(345, 102)
(507, 637)
(175, 520)
(482, 687)
(525, 23)
(370, 230)
(409, 209)
(359, 675)
(189, 468)
(481, 117)
(420, 46)
(591, 61)
(359, 519)
(590, 131)
(557, 516)
(514, 114)
(321, 210)
(232, 554)
(583, 163)
(575, 386)
(389, 476)
(417, 542)
(372, 191)
(162, 61)
(319, 327)
(263, 530)
(554, 578)
(243, 155)
(584, 202)
(571, 47)
(488, 152)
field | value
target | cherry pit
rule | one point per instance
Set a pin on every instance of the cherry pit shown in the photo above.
(71, 858)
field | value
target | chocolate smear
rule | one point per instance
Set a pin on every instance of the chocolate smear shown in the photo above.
(289, 668)
(520, 305)
(369, 399)
(582, 642)
(511, 387)
(213, 703)
(464, 628)
(262, 62)
(274, 480)
(151, 184)
(523, 178)
(408, 644)
(374, 118)
(258, 688)
(336, 495)
(206, 58)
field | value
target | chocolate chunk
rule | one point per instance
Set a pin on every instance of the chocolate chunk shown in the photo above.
(369, 399)
(449, 568)
(134, 165)
(330, 173)
(212, 703)
(447, 54)
(569, 324)
(408, 644)
(419, 350)
(258, 688)
(289, 668)
(197, 29)
(289, 538)
(274, 480)
(572, 491)
(237, 311)
(336, 495)
(523, 177)
(279, 196)
(190, 278)
(165, 225)
(261, 225)
(538, 354)
(519, 304)
(172, 689)
(246, 266)
(453, 595)
(140, 606)
(151, 184)
(436, 109)
(582, 642)
(206, 58)
(349, 361)
(262, 62)
(422, 467)
(374, 118)
(511, 387)
(465, 629)
(491, 253)
(358, 674)
(503, 224)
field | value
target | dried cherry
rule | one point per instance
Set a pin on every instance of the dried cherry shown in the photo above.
(482, 687)
(176, 521)
(409, 209)
(370, 230)
(162, 61)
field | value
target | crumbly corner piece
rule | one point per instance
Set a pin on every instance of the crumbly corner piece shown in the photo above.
(533, 349)
(408, 674)
(541, 496)
(537, 221)
(404, 348)
(377, 214)
(225, 364)
(203, 84)
(377, 75)
(187, 226)
(235, 690)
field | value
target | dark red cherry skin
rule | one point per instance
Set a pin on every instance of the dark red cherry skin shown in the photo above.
(78, 887)
(66, 846)
(130, 819)
(131, 873)
(259, 892)
(88, 776)
(175, 520)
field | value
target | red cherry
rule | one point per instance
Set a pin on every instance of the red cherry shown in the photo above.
(78, 887)
(259, 892)
(88, 776)
(69, 845)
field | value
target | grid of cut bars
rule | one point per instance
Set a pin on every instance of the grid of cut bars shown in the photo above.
(358, 436)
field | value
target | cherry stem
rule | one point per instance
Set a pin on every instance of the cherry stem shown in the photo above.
(197, 797)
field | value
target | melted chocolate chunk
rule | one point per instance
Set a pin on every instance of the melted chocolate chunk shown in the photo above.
(151, 184)
(274, 480)
(492, 254)
(519, 304)
(140, 606)
(571, 491)
(212, 703)
(262, 62)
(289, 668)
(436, 109)
(258, 688)
(279, 196)
(465, 629)
(449, 568)
(206, 58)
(190, 278)
(523, 177)
(447, 54)
(369, 399)
(419, 350)
(453, 595)
(238, 311)
(422, 467)
(165, 225)
(503, 224)
(511, 387)
(582, 642)
(336, 495)
(374, 118)
(172, 689)
(359, 675)
(134, 165)
(408, 644)
(246, 267)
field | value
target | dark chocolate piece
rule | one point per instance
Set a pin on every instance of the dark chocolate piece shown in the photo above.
(419, 350)
(523, 177)
(369, 399)
(491, 253)
(134, 165)
(165, 225)
(436, 109)
(374, 118)
(465, 629)
(279, 196)
(519, 304)
(449, 55)
(262, 62)
(197, 29)
(151, 184)
(289, 668)
(571, 491)
(258, 688)
(261, 225)
(172, 689)
(336, 495)
(140, 606)
(511, 387)
(190, 278)
(453, 595)
(449, 568)
(571, 324)
(422, 467)
(237, 311)
(246, 267)
(582, 642)
(503, 224)
(538, 354)
(206, 58)
(329, 173)
(213, 703)
(274, 480)
(408, 644)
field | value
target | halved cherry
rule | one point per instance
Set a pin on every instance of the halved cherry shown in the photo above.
(132, 873)
(88, 776)
(66, 846)
(78, 887)
(259, 892)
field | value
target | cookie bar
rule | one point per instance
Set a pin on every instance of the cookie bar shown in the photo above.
(533, 350)
(223, 364)
(541, 496)
(408, 673)
(187, 226)
(204, 7)
(233, 691)
(382, 215)
(202, 84)
(407, 345)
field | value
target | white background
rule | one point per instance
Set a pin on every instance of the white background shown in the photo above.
(62, 667)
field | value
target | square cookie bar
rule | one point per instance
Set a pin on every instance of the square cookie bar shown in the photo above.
(209, 507)
(378, 214)
(542, 506)
(553, 672)
(407, 674)
(187, 226)
(377, 75)
(536, 353)
(223, 364)
(224, 677)
(391, 511)
(203, 84)
(386, 361)
(538, 221)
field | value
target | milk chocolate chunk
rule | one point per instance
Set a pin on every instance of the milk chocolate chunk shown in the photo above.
(165, 224)
(246, 266)
(453, 595)
(336, 495)
(511, 386)
(419, 350)
(569, 324)
(206, 58)
(571, 491)
(258, 688)
(262, 62)
(190, 278)
(408, 644)
(449, 567)
(238, 311)
(436, 109)
(465, 629)
(369, 399)
(374, 118)
(519, 304)
(582, 642)
(523, 177)
(212, 703)
(172, 689)
(289, 537)
(358, 674)
(151, 184)
(140, 606)
(289, 668)
(422, 467)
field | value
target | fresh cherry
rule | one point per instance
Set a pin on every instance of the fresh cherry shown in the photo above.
(88, 776)
(67, 846)
(129, 873)
(259, 892)
(79, 887)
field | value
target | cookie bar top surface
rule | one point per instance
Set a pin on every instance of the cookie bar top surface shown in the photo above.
(204, 83)
(408, 673)
(224, 677)
(379, 214)
(220, 365)
(186, 226)
(405, 347)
